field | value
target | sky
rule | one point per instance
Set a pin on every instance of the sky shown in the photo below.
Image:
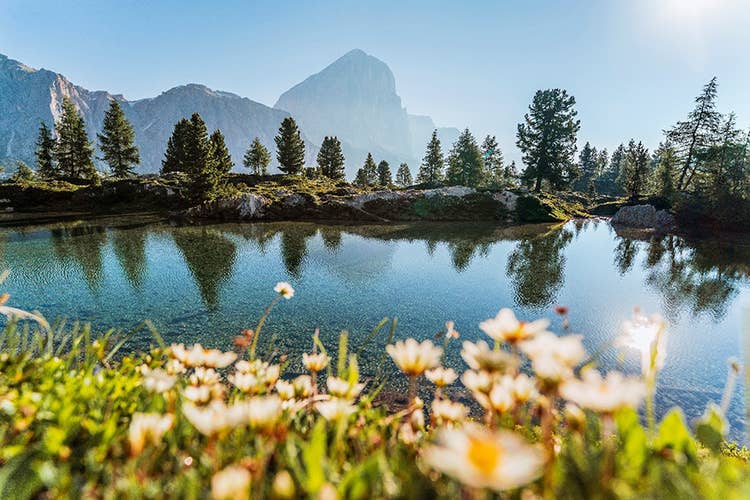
(634, 66)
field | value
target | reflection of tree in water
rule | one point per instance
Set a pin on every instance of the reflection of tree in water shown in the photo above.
(294, 246)
(625, 253)
(130, 248)
(463, 251)
(700, 276)
(536, 267)
(83, 245)
(210, 258)
(331, 237)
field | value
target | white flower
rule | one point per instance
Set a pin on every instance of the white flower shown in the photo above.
(199, 356)
(232, 482)
(215, 417)
(479, 356)
(524, 388)
(157, 380)
(247, 382)
(335, 409)
(413, 358)
(506, 328)
(604, 395)
(441, 376)
(341, 388)
(450, 330)
(315, 362)
(481, 458)
(447, 412)
(204, 376)
(553, 358)
(480, 384)
(302, 386)
(285, 390)
(501, 395)
(263, 412)
(198, 393)
(147, 427)
(284, 289)
(175, 367)
(647, 335)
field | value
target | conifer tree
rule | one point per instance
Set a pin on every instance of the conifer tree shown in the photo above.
(220, 153)
(663, 176)
(45, 150)
(547, 138)
(331, 158)
(587, 168)
(370, 170)
(23, 173)
(693, 135)
(608, 183)
(384, 174)
(403, 176)
(257, 158)
(175, 157)
(511, 174)
(73, 151)
(290, 148)
(361, 178)
(634, 171)
(117, 142)
(433, 162)
(465, 163)
(494, 163)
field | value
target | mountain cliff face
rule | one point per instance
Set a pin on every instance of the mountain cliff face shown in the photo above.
(354, 98)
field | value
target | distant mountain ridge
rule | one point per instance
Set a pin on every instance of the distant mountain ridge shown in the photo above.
(354, 97)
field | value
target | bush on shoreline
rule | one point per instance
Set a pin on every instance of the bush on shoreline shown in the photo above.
(191, 422)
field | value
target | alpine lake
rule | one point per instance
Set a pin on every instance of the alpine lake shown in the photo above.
(207, 283)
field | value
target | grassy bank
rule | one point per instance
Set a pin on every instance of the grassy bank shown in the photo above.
(78, 418)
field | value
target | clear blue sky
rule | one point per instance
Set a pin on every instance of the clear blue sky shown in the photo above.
(634, 66)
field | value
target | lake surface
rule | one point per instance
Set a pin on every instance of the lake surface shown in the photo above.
(207, 283)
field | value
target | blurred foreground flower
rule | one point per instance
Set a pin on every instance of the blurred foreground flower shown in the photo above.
(505, 327)
(441, 376)
(147, 428)
(604, 395)
(284, 289)
(199, 356)
(157, 380)
(481, 458)
(646, 334)
(231, 483)
(335, 409)
(414, 358)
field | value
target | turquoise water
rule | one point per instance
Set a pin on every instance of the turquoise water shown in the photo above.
(207, 283)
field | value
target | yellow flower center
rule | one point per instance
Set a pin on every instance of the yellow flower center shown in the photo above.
(484, 456)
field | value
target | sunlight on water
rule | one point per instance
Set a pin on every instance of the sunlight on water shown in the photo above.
(207, 283)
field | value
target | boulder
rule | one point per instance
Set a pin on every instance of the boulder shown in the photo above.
(643, 217)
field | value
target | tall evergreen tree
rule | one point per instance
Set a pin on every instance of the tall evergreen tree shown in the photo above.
(257, 158)
(433, 162)
(664, 171)
(73, 150)
(634, 171)
(220, 153)
(117, 142)
(465, 163)
(608, 181)
(361, 178)
(290, 148)
(384, 174)
(331, 158)
(494, 163)
(587, 167)
(695, 134)
(175, 157)
(368, 174)
(547, 138)
(403, 176)
(45, 150)
(23, 173)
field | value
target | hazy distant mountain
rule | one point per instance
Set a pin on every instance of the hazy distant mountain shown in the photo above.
(354, 97)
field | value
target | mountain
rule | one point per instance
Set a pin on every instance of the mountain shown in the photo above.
(28, 96)
(354, 98)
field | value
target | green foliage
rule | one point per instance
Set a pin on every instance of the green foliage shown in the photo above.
(257, 158)
(117, 142)
(634, 171)
(367, 175)
(384, 174)
(23, 173)
(465, 162)
(433, 163)
(403, 176)
(175, 156)
(331, 158)
(290, 148)
(220, 154)
(588, 169)
(547, 139)
(73, 151)
(45, 150)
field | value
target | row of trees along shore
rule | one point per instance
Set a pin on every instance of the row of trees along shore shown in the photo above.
(706, 153)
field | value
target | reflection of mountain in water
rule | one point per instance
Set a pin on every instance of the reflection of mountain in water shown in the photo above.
(701, 276)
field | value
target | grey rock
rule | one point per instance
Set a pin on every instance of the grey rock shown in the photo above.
(459, 191)
(643, 217)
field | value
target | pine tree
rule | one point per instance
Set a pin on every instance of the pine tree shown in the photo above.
(73, 150)
(117, 142)
(634, 171)
(290, 148)
(45, 150)
(367, 175)
(607, 183)
(695, 134)
(465, 163)
(384, 174)
(511, 174)
(403, 176)
(361, 178)
(23, 173)
(493, 162)
(587, 166)
(663, 176)
(433, 162)
(547, 138)
(220, 153)
(175, 157)
(331, 158)
(257, 158)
